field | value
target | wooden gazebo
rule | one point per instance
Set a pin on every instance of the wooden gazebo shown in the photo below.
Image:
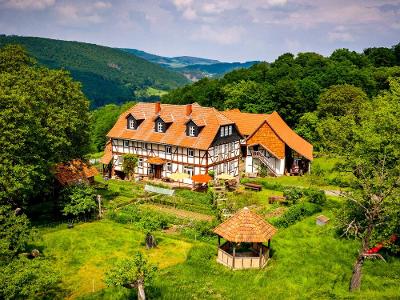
(244, 234)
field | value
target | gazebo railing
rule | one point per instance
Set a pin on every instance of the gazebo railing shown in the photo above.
(243, 262)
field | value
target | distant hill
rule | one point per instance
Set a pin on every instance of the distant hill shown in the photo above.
(172, 62)
(193, 68)
(198, 71)
(108, 75)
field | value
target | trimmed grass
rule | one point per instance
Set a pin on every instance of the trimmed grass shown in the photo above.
(82, 254)
(308, 262)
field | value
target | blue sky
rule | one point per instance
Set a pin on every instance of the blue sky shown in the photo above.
(228, 30)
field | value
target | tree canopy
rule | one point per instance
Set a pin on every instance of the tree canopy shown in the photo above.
(44, 120)
(292, 85)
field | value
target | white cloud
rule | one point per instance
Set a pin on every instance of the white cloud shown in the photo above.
(102, 5)
(27, 4)
(223, 36)
(81, 14)
(337, 36)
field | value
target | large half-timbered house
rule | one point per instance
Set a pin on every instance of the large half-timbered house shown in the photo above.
(173, 138)
(269, 142)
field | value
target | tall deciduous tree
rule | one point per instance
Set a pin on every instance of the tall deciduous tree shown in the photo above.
(371, 212)
(44, 120)
(133, 273)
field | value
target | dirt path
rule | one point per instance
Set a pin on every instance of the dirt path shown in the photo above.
(180, 212)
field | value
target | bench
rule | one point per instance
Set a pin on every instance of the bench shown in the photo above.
(273, 199)
(253, 186)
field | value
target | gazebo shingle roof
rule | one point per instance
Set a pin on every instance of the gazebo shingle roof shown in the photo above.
(245, 226)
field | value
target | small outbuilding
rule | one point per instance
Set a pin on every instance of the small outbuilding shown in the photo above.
(73, 172)
(322, 220)
(245, 234)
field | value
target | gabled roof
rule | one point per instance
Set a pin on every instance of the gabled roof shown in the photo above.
(291, 138)
(249, 123)
(74, 171)
(176, 132)
(245, 226)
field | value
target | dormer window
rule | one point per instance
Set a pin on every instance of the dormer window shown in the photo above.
(226, 130)
(160, 127)
(192, 131)
(132, 122)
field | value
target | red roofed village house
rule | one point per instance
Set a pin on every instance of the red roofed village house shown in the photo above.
(174, 138)
(194, 139)
(270, 142)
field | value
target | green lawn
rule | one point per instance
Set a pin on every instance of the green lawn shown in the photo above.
(308, 262)
(83, 253)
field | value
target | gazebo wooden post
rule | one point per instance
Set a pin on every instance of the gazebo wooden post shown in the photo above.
(269, 243)
(234, 254)
(219, 241)
(261, 252)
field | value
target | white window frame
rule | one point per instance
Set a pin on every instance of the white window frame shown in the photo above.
(140, 162)
(226, 131)
(169, 166)
(192, 130)
(168, 150)
(222, 132)
(131, 124)
(160, 127)
(189, 151)
(188, 170)
(230, 129)
(126, 143)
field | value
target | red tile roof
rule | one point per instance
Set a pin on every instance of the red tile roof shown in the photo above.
(249, 123)
(291, 138)
(245, 226)
(74, 171)
(208, 117)
(107, 156)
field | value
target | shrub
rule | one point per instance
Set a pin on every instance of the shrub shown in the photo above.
(78, 200)
(293, 195)
(315, 196)
(145, 219)
(295, 213)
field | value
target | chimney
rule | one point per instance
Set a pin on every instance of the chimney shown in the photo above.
(188, 109)
(157, 108)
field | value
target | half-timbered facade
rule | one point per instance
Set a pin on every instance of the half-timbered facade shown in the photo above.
(269, 142)
(173, 138)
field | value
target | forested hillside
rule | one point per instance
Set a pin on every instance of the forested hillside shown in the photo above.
(193, 68)
(172, 62)
(296, 85)
(107, 75)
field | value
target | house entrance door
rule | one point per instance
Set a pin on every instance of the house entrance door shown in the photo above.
(157, 171)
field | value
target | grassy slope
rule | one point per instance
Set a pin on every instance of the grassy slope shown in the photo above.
(308, 262)
(108, 75)
(83, 253)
